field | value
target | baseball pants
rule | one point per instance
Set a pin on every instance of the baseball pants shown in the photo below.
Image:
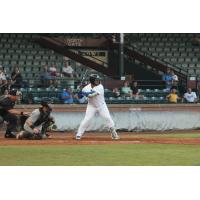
(90, 113)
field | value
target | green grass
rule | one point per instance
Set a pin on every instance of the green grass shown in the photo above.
(101, 155)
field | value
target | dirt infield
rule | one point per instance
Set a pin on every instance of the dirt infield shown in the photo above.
(100, 138)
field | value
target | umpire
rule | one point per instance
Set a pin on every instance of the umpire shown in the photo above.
(36, 125)
(8, 114)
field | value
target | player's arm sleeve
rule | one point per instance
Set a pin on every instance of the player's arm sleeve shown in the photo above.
(86, 92)
(99, 90)
(94, 94)
(33, 117)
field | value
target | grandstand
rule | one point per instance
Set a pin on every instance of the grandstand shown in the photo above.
(146, 56)
(176, 49)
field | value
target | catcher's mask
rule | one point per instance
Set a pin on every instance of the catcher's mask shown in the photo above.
(45, 103)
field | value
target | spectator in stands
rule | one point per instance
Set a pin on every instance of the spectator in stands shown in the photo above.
(126, 90)
(173, 97)
(67, 70)
(52, 84)
(2, 73)
(135, 91)
(116, 92)
(45, 77)
(67, 96)
(53, 71)
(168, 79)
(16, 78)
(174, 79)
(134, 88)
(190, 96)
(79, 97)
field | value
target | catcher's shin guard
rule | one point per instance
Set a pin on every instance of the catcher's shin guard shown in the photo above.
(24, 135)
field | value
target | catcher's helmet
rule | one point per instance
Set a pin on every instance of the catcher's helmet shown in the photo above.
(93, 78)
(45, 102)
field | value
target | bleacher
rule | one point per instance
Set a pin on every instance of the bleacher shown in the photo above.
(147, 96)
(176, 49)
(30, 57)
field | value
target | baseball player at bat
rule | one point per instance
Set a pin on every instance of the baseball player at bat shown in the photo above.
(96, 104)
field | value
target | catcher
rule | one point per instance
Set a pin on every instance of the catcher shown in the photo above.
(9, 115)
(38, 123)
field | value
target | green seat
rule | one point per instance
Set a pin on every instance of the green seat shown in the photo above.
(7, 57)
(18, 51)
(36, 63)
(15, 57)
(11, 51)
(21, 62)
(55, 100)
(37, 57)
(22, 46)
(3, 51)
(29, 63)
(15, 46)
(30, 57)
(37, 100)
(13, 62)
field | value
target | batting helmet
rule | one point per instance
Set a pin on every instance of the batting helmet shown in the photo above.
(93, 78)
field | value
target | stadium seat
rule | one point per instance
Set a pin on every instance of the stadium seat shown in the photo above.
(37, 100)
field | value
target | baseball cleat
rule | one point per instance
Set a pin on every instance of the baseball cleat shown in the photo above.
(10, 135)
(46, 136)
(78, 137)
(20, 135)
(114, 135)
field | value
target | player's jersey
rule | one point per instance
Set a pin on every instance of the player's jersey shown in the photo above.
(34, 116)
(37, 118)
(98, 100)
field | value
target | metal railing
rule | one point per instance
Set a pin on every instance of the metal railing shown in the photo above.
(180, 70)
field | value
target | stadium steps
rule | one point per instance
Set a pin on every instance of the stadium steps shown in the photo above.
(177, 49)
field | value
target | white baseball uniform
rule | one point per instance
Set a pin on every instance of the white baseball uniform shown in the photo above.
(95, 105)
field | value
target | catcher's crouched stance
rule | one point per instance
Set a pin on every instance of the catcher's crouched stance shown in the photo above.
(36, 125)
